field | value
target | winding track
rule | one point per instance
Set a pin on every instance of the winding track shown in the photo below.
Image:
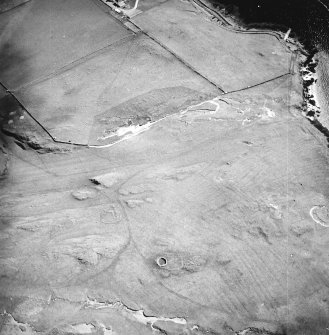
(227, 26)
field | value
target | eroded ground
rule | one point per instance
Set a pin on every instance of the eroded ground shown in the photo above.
(178, 209)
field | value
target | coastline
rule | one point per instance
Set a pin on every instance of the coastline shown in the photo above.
(312, 67)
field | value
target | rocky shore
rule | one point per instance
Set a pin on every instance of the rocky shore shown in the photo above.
(313, 62)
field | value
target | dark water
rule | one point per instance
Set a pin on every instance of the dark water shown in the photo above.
(308, 19)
